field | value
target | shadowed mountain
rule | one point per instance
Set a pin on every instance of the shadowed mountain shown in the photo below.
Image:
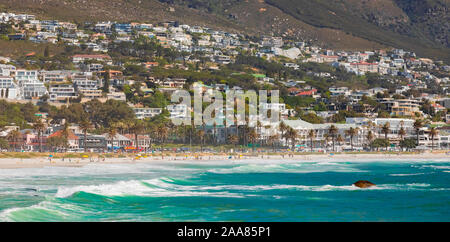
(422, 26)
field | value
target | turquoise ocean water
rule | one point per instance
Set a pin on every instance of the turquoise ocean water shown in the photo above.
(226, 190)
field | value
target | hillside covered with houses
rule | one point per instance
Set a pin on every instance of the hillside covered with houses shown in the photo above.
(106, 86)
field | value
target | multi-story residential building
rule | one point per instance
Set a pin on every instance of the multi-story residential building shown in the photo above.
(86, 82)
(55, 76)
(439, 141)
(33, 90)
(29, 84)
(120, 96)
(23, 76)
(178, 111)
(61, 92)
(7, 70)
(172, 83)
(122, 27)
(395, 125)
(143, 113)
(339, 91)
(93, 67)
(94, 143)
(8, 88)
(89, 94)
(401, 107)
(362, 68)
(83, 58)
(321, 132)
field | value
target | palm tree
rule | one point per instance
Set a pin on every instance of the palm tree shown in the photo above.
(267, 128)
(272, 140)
(326, 140)
(332, 131)
(85, 125)
(370, 138)
(291, 134)
(258, 131)
(351, 132)
(163, 133)
(39, 127)
(386, 129)
(65, 134)
(312, 136)
(339, 139)
(201, 136)
(401, 134)
(15, 136)
(283, 128)
(137, 128)
(252, 136)
(151, 130)
(120, 126)
(112, 132)
(233, 139)
(433, 132)
(418, 124)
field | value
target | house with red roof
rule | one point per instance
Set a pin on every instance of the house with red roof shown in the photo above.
(72, 139)
(307, 93)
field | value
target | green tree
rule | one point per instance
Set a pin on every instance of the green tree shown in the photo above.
(46, 52)
(4, 144)
(332, 132)
(433, 133)
(378, 143)
(85, 125)
(106, 82)
(112, 132)
(39, 127)
(15, 137)
(312, 136)
(138, 127)
(408, 143)
(386, 129)
(351, 133)
(418, 124)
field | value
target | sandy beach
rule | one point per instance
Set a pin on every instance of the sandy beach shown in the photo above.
(14, 163)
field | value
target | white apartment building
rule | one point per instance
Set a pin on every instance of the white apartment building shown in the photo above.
(8, 88)
(55, 76)
(61, 92)
(86, 82)
(143, 113)
(178, 111)
(30, 86)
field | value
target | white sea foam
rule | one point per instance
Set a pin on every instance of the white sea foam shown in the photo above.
(437, 167)
(20, 213)
(138, 188)
(167, 183)
(285, 168)
(411, 174)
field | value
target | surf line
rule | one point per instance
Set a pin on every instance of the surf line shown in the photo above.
(187, 232)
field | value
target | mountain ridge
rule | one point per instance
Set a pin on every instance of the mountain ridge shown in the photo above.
(422, 26)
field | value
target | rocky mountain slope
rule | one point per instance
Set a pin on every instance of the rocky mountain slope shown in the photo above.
(419, 25)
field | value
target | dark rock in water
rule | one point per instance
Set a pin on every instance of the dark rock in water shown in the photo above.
(364, 184)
